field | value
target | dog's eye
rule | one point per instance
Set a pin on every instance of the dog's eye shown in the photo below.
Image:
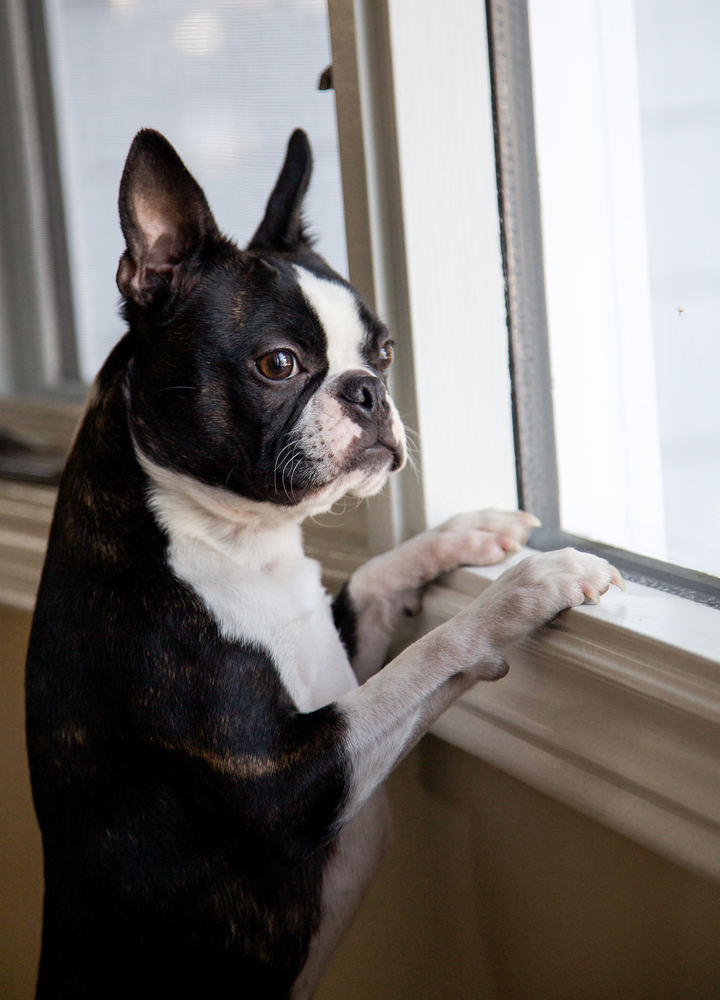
(277, 365)
(386, 356)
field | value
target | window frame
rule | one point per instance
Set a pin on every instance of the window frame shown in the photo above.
(36, 297)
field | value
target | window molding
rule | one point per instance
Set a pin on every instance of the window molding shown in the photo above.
(26, 508)
(431, 78)
(374, 226)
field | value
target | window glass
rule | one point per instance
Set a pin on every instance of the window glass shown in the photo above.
(627, 116)
(226, 81)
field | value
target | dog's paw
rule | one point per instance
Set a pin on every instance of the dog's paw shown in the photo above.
(482, 538)
(539, 588)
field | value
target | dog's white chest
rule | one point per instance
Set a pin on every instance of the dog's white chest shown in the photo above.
(245, 561)
(282, 608)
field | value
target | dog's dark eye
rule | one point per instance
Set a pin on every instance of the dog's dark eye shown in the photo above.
(277, 365)
(386, 356)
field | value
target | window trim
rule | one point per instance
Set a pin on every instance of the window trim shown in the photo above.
(447, 200)
(374, 228)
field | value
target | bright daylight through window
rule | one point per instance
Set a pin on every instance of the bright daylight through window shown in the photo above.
(627, 120)
(226, 82)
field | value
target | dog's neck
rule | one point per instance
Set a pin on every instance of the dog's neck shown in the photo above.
(254, 535)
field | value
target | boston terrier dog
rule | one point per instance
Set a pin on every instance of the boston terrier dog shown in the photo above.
(208, 734)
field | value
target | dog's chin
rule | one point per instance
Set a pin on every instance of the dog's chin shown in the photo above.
(352, 484)
(365, 476)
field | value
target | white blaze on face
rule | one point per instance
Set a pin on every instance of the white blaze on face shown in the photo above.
(337, 310)
(328, 432)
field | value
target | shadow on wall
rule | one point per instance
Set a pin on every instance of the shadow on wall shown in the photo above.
(492, 891)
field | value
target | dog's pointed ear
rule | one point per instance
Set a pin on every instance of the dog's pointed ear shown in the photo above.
(165, 219)
(282, 227)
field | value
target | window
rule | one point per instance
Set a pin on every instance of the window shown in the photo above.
(614, 400)
(226, 81)
(628, 157)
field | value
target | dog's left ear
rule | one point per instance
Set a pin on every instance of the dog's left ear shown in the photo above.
(282, 227)
(165, 219)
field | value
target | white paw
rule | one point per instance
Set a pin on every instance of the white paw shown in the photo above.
(539, 588)
(482, 538)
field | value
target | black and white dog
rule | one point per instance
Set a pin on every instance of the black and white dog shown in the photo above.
(208, 736)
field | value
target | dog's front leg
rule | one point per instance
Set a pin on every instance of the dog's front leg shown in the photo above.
(389, 586)
(388, 714)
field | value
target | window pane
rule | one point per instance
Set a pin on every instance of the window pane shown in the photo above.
(226, 81)
(627, 107)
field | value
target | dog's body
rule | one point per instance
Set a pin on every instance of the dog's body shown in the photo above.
(207, 735)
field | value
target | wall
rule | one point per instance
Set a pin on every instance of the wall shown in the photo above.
(21, 881)
(492, 891)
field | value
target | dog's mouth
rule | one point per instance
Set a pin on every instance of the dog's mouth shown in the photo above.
(381, 450)
(296, 481)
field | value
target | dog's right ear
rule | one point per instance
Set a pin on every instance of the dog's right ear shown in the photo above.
(282, 227)
(165, 219)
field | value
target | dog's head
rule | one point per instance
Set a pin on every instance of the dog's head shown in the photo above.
(259, 371)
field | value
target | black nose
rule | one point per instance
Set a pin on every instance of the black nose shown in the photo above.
(366, 393)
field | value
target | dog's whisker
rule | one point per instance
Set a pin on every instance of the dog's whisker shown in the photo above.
(284, 469)
(290, 444)
(411, 461)
(277, 463)
(292, 473)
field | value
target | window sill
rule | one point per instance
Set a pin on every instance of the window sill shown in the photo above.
(613, 710)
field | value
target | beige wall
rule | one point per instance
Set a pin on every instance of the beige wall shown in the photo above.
(20, 850)
(496, 891)
(491, 890)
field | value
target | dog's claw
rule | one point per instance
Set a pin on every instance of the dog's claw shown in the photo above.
(531, 521)
(591, 595)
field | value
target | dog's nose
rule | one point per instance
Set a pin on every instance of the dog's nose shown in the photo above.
(366, 393)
